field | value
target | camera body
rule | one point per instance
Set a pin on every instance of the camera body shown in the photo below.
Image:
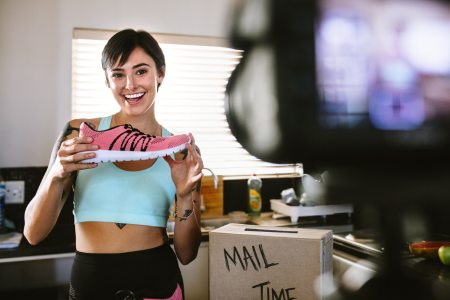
(339, 82)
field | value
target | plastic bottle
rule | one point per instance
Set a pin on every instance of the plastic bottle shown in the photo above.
(254, 184)
(2, 204)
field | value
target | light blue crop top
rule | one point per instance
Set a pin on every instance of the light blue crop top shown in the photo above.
(110, 194)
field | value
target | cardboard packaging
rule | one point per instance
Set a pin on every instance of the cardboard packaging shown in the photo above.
(266, 263)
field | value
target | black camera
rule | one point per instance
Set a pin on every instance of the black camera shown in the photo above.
(337, 82)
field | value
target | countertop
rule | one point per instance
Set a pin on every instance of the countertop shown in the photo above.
(62, 242)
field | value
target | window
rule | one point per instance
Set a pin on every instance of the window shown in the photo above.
(191, 98)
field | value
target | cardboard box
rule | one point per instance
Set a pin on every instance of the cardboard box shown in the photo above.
(266, 263)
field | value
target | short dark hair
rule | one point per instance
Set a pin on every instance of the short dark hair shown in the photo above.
(121, 44)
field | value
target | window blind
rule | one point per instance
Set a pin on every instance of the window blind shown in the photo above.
(190, 99)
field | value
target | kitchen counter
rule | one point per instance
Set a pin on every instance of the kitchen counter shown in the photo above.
(45, 268)
(58, 251)
(60, 240)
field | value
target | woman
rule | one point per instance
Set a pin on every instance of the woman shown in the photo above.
(119, 253)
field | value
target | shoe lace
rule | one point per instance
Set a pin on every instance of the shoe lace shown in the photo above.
(132, 136)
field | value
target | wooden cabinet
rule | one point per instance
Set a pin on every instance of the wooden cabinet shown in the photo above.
(195, 275)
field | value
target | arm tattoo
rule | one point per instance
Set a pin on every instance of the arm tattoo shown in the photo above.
(67, 130)
(187, 213)
(199, 186)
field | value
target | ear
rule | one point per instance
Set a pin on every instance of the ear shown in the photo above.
(161, 74)
(106, 81)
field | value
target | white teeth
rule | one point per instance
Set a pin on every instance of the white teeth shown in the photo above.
(134, 96)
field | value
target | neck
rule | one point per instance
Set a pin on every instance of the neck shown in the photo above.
(145, 124)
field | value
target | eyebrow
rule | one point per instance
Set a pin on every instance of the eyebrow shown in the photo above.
(134, 67)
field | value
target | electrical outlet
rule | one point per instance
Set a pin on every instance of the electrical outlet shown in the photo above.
(15, 192)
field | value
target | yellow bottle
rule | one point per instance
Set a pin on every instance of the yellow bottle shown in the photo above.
(254, 184)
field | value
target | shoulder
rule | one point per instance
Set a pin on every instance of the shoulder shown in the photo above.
(71, 129)
(75, 123)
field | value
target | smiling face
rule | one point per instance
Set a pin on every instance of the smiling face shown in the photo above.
(134, 84)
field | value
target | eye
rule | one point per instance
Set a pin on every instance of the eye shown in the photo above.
(141, 71)
(116, 75)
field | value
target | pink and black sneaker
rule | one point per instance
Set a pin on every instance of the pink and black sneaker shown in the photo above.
(125, 143)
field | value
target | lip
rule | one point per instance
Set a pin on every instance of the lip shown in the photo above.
(134, 101)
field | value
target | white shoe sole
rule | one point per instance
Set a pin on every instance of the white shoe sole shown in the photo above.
(113, 155)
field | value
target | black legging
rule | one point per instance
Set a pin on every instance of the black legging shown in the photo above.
(152, 273)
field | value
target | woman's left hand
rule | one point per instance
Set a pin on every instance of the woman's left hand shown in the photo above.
(186, 173)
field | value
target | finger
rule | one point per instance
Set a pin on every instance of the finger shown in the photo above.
(67, 160)
(200, 167)
(197, 177)
(84, 166)
(200, 162)
(78, 140)
(197, 164)
(169, 160)
(72, 148)
(71, 163)
(193, 186)
(191, 136)
(80, 156)
(195, 150)
(77, 154)
(193, 144)
(83, 139)
(189, 153)
(72, 167)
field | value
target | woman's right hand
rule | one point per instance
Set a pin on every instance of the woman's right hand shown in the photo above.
(70, 154)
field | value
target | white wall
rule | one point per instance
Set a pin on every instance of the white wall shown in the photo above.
(35, 59)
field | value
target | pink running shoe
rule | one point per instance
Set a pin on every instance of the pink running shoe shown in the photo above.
(125, 143)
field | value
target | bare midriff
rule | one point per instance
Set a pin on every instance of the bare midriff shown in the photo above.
(104, 237)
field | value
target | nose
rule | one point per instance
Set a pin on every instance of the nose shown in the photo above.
(130, 82)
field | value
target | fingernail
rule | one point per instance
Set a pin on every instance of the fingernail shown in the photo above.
(89, 139)
(95, 147)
